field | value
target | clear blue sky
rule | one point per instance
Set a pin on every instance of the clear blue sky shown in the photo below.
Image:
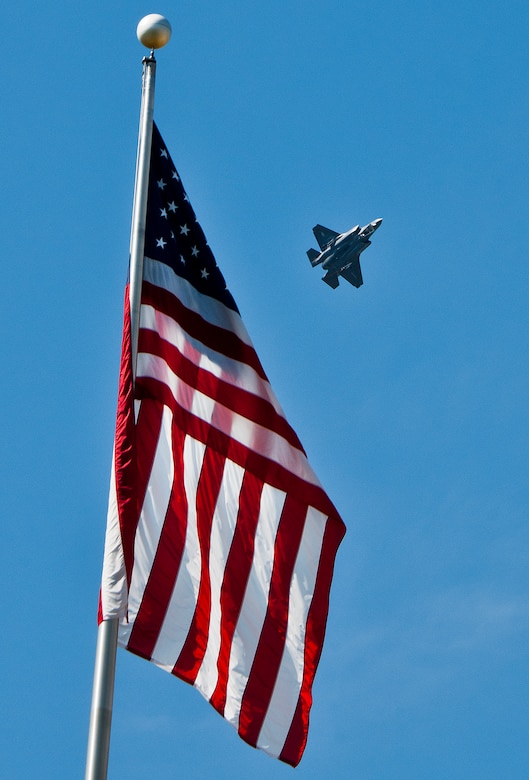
(411, 395)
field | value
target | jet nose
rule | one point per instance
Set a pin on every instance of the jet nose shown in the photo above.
(376, 223)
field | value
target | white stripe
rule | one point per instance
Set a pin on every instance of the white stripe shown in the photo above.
(208, 308)
(284, 699)
(234, 372)
(114, 578)
(181, 608)
(224, 523)
(151, 520)
(255, 603)
(257, 438)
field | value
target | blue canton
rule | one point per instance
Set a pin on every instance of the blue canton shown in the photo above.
(173, 235)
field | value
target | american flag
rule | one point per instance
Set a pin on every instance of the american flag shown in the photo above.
(220, 540)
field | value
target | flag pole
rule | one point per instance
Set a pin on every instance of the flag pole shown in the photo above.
(153, 32)
(139, 208)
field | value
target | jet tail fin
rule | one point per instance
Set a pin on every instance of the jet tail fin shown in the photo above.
(313, 256)
(331, 279)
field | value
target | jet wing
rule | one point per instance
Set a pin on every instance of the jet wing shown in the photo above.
(324, 235)
(352, 273)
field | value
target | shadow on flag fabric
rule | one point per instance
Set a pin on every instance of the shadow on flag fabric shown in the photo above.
(220, 540)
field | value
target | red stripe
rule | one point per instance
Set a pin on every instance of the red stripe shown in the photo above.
(219, 339)
(194, 648)
(245, 403)
(148, 427)
(297, 735)
(314, 636)
(236, 574)
(270, 471)
(99, 609)
(267, 660)
(166, 564)
(125, 449)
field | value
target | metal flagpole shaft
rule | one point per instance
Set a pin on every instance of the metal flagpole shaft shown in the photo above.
(139, 209)
(102, 695)
(107, 637)
(154, 32)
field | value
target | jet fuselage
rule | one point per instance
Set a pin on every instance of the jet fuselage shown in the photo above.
(340, 252)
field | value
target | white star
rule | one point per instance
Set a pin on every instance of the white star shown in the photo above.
(204, 273)
(182, 259)
(161, 242)
(172, 206)
(172, 235)
(163, 213)
(161, 184)
(186, 198)
(184, 230)
(176, 176)
(163, 153)
(194, 251)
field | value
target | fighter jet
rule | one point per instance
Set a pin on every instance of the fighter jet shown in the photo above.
(340, 252)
